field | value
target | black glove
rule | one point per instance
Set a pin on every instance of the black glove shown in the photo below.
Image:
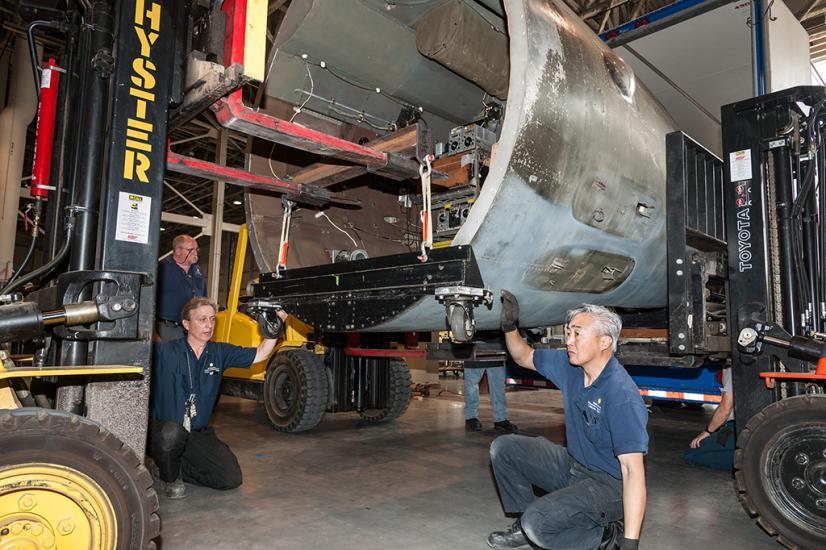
(510, 312)
(628, 544)
(269, 323)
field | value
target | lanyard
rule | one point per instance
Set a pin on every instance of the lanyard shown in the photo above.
(190, 411)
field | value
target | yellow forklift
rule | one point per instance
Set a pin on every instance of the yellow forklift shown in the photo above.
(76, 332)
(304, 378)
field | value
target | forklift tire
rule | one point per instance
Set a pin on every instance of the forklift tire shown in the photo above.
(780, 470)
(398, 395)
(67, 482)
(295, 391)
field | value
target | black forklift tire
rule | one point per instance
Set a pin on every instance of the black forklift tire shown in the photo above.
(57, 453)
(780, 470)
(295, 390)
(398, 395)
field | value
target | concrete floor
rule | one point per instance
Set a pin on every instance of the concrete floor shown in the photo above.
(421, 482)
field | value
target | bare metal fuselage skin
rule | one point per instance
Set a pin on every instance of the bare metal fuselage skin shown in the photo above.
(573, 208)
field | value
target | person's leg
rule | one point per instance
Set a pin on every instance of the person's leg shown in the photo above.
(472, 378)
(716, 451)
(496, 386)
(167, 441)
(520, 462)
(574, 517)
(209, 462)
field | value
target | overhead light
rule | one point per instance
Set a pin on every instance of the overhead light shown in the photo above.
(237, 203)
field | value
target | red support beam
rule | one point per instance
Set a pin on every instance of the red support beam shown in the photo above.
(365, 352)
(308, 194)
(234, 115)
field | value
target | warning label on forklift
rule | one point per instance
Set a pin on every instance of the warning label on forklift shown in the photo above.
(740, 165)
(133, 218)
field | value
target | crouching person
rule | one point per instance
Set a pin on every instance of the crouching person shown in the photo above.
(186, 379)
(598, 480)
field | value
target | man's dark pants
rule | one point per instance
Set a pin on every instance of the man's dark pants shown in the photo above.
(580, 502)
(199, 457)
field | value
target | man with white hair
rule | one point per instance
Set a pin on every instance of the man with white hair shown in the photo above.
(596, 485)
(179, 280)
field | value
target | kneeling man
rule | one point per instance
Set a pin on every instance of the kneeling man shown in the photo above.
(598, 480)
(186, 379)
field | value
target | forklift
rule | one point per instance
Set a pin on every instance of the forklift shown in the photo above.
(77, 331)
(74, 372)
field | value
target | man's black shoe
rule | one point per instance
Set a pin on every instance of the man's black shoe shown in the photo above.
(614, 531)
(512, 538)
(505, 427)
(473, 425)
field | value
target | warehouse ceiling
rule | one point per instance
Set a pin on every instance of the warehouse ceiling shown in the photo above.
(190, 197)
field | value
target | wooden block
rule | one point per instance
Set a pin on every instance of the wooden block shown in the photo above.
(457, 174)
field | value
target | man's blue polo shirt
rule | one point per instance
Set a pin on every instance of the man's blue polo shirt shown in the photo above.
(176, 287)
(602, 421)
(177, 374)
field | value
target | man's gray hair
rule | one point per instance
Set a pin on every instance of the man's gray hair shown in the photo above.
(180, 240)
(606, 322)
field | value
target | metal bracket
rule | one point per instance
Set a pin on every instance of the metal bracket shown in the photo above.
(117, 295)
(206, 83)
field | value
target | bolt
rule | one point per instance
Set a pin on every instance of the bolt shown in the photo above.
(129, 305)
(802, 459)
(66, 526)
(26, 502)
(681, 335)
(681, 347)
(679, 273)
(37, 529)
(116, 307)
(679, 261)
(16, 528)
(821, 503)
(48, 542)
(798, 483)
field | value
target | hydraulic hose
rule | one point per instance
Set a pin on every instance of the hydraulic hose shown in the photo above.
(46, 268)
(25, 261)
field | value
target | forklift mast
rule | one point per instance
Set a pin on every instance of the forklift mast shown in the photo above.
(775, 204)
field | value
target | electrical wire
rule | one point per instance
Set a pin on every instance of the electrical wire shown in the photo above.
(312, 88)
(364, 87)
(324, 214)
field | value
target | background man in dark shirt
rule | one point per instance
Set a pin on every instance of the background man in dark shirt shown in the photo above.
(186, 379)
(179, 279)
(599, 478)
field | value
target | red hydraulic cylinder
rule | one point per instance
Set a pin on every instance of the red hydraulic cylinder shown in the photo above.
(46, 115)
